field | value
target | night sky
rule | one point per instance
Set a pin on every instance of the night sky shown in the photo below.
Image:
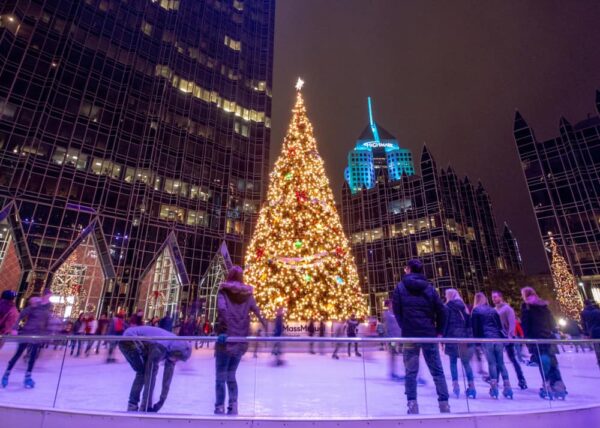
(446, 73)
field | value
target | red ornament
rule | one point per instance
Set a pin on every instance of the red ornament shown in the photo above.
(76, 289)
(260, 252)
(301, 196)
(339, 251)
(292, 152)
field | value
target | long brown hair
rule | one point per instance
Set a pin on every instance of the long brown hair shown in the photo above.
(480, 300)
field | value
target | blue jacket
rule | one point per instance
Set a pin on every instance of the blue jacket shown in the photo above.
(418, 307)
(486, 323)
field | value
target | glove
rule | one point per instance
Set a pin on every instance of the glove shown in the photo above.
(222, 339)
(157, 406)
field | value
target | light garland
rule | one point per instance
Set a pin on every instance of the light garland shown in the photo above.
(299, 256)
(565, 286)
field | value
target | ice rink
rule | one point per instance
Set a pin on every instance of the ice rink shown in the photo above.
(311, 386)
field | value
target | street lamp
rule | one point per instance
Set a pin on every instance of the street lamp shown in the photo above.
(582, 285)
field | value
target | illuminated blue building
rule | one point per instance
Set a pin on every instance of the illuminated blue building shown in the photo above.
(376, 151)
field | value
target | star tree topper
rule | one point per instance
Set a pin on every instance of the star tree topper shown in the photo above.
(299, 84)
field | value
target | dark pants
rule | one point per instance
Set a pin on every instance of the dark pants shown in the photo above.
(137, 359)
(431, 354)
(494, 353)
(226, 366)
(355, 348)
(464, 353)
(33, 354)
(545, 358)
(597, 349)
(510, 351)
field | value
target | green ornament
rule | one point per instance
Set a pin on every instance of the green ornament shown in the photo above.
(298, 244)
(307, 277)
(289, 176)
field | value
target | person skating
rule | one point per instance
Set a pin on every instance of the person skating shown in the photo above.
(538, 323)
(235, 301)
(508, 319)
(144, 357)
(322, 334)
(590, 319)
(420, 312)
(486, 324)
(9, 314)
(278, 332)
(91, 326)
(352, 331)
(78, 330)
(458, 325)
(166, 323)
(116, 327)
(311, 329)
(36, 317)
(337, 330)
(102, 330)
(392, 330)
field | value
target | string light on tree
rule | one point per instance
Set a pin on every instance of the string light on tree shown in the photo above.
(565, 285)
(299, 256)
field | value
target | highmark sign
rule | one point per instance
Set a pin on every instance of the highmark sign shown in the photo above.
(375, 144)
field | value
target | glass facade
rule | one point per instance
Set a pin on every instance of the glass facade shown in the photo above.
(148, 119)
(563, 178)
(437, 217)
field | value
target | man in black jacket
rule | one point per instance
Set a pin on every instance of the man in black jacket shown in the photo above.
(590, 319)
(420, 313)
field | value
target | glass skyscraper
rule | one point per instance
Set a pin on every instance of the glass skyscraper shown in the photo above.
(563, 178)
(437, 217)
(134, 141)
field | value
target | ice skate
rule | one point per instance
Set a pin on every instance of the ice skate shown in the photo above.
(232, 409)
(507, 391)
(444, 407)
(219, 410)
(523, 384)
(132, 407)
(471, 392)
(559, 390)
(28, 382)
(413, 407)
(494, 388)
(456, 388)
(546, 392)
(5, 379)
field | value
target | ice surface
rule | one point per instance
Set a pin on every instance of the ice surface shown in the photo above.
(305, 386)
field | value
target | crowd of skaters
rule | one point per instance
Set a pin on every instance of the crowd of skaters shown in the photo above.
(415, 310)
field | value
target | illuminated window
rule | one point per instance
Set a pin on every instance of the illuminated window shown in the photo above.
(196, 218)
(146, 28)
(237, 4)
(105, 167)
(236, 45)
(172, 213)
(454, 248)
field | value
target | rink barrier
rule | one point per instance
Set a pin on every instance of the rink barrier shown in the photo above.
(19, 416)
(301, 339)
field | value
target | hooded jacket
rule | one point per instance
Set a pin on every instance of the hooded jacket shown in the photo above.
(590, 318)
(8, 315)
(418, 307)
(536, 319)
(36, 319)
(234, 303)
(486, 323)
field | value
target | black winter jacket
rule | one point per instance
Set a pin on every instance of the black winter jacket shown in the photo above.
(537, 320)
(590, 318)
(486, 323)
(418, 307)
(458, 320)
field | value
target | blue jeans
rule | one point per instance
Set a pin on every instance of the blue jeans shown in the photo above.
(494, 353)
(465, 358)
(226, 366)
(545, 357)
(431, 353)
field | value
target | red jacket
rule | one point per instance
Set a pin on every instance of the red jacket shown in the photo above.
(8, 316)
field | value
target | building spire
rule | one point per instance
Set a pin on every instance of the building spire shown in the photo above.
(372, 122)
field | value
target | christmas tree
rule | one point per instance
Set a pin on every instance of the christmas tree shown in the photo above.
(567, 294)
(299, 257)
